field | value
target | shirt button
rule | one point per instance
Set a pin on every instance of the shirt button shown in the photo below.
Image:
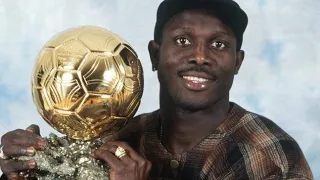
(174, 164)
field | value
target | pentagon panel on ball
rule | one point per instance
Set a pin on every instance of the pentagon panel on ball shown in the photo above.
(87, 81)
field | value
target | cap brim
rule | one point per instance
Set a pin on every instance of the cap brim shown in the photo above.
(227, 11)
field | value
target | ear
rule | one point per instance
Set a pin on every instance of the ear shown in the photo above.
(239, 59)
(154, 49)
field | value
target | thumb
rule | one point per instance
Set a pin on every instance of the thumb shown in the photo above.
(34, 129)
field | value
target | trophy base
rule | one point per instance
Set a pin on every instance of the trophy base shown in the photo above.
(68, 159)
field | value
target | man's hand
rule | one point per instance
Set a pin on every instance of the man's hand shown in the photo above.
(20, 143)
(129, 167)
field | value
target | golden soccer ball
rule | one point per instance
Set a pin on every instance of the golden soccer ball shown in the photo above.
(87, 81)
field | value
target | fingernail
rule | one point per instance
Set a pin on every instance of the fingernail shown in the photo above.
(32, 164)
(31, 151)
(42, 143)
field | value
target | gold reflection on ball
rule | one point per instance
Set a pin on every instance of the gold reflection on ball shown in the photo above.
(87, 81)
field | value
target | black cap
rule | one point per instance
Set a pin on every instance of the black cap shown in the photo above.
(228, 11)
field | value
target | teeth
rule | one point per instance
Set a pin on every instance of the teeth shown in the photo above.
(195, 79)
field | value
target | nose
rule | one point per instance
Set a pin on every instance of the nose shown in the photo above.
(199, 56)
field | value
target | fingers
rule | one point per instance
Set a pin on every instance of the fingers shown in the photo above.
(108, 157)
(16, 150)
(125, 163)
(131, 152)
(20, 143)
(34, 129)
(107, 153)
(129, 165)
(23, 138)
(133, 159)
(14, 176)
(10, 167)
(112, 149)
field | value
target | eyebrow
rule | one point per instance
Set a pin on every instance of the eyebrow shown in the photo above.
(182, 28)
(221, 33)
(190, 29)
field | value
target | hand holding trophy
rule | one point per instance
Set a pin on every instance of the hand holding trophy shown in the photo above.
(87, 83)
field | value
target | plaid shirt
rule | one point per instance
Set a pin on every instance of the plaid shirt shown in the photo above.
(244, 146)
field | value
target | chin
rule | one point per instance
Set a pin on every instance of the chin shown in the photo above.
(192, 105)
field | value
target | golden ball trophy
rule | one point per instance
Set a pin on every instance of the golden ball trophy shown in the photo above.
(87, 83)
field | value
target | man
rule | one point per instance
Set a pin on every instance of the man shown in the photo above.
(197, 133)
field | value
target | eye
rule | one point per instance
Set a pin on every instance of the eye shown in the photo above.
(218, 45)
(183, 41)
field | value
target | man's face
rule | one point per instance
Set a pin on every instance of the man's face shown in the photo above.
(197, 59)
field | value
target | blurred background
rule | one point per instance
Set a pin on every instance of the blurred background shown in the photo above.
(280, 77)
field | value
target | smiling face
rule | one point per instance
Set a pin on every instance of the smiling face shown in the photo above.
(196, 60)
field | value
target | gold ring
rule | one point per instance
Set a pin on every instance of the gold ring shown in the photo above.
(120, 152)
